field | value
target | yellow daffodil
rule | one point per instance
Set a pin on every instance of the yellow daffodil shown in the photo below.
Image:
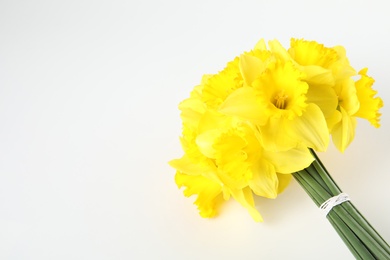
(275, 100)
(322, 65)
(331, 87)
(355, 99)
(342, 124)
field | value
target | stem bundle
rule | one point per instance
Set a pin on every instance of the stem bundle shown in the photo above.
(360, 237)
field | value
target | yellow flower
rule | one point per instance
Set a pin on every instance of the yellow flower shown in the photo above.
(331, 87)
(275, 100)
(322, 65)
(240, 158)
(217, 166)
(195, 171)
(342, 123)
(226, 159)
(355, 99)
(317, 61)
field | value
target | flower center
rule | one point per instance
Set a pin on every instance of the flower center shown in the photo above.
(281, 100)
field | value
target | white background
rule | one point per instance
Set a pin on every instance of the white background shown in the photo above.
(88, 120)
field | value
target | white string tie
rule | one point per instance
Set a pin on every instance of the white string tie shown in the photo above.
(327, 206)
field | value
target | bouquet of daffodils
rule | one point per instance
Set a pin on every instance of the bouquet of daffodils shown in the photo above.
(255, 125)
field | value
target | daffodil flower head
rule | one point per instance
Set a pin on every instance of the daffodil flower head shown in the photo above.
(282, 89)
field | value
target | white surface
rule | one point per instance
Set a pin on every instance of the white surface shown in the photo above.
(88, 111)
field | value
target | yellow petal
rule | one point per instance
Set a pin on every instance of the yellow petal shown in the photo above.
(260, 45)
(284, 181)
(206, 140)
(245, 103)
(348, 99)
(231, 159)
(211, 120)
(196, 164)
(274, 136)
(333, 120)
(264, 180)
(344, 132)
(245, 198)
(251, 68)
(324, 97)
(211, 126)
(310, 128)
(290, 161)
(318, 75)
(277, 48)
(209, 193)
(341, 68)
(187, 166)
(192, 110)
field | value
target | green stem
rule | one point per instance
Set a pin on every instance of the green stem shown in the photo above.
(349, 207)
(360, 237)
(341, 228)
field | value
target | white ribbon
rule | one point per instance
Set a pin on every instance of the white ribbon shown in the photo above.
(334, 201)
